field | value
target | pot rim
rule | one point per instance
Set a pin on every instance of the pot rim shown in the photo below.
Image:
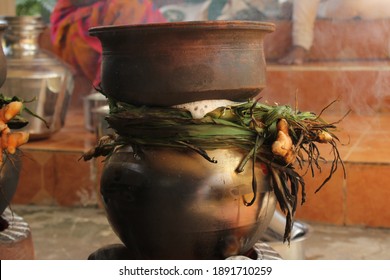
(187, 25)
(23, 20)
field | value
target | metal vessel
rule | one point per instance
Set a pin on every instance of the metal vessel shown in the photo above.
(33, 73)
(168, 203)
(166, 64)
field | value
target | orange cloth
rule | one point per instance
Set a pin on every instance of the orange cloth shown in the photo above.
(70, 24)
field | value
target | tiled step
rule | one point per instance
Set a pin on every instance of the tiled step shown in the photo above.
(52, 172)
(363, 87)
(362, 197)
(336, 40)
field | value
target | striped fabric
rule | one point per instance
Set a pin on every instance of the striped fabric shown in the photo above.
(70, 24)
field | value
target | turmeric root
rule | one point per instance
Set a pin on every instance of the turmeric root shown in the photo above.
(10, 110)
(16, 139)
(282, 125)
(10, 140)
(283, 146)
(324, 137)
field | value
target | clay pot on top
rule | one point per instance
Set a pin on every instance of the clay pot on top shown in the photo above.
(165, 64)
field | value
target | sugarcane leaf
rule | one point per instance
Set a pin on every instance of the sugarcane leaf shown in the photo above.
(36, 116)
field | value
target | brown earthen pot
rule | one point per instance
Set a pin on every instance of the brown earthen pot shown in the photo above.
(166, 64)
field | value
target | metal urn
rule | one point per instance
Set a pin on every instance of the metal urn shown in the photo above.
(37, 75)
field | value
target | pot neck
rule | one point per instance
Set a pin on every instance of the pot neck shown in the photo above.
(21, 37)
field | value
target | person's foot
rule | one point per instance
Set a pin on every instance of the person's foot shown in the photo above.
(286, 10)
(296, 56)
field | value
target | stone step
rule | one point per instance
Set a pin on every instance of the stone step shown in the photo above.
(335, 40)
(363, 87)
(362, 196)
(52, 172)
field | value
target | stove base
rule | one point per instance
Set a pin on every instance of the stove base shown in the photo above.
(260, 251)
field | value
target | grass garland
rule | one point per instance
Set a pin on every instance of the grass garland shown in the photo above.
(251, 126)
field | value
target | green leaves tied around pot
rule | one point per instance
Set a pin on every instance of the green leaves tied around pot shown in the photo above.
(281, 137)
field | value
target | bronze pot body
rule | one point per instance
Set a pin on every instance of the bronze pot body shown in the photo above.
(173, 204)
(167, 64)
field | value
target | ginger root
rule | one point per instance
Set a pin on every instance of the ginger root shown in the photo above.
(12, 140)
(10, 110)
(283, 145)
(324, 137)
(9, 141)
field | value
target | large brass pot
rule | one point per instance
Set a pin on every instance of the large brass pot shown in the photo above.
(168, 203)
(165, 64)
